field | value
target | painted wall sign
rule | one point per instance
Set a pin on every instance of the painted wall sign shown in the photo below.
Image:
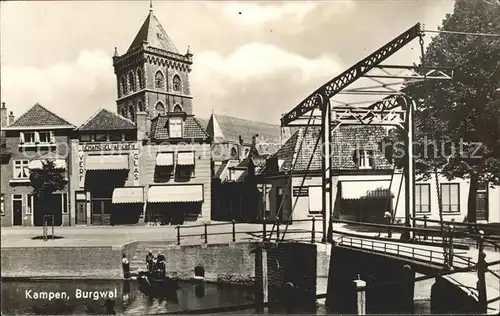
(135, 166)
(81, 169)
(300, 191)
(109, 147)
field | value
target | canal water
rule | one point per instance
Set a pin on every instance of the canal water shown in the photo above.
(75, 297)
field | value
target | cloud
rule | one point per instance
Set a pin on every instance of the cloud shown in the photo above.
(69, 89)
(256, 62)
(256, 81)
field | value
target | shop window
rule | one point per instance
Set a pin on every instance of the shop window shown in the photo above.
(422, 198)
(29, 202)
(21, 169)
(450, 194)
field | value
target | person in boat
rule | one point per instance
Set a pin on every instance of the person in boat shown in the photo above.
(160, 262)
(150, 258)
(125, 266)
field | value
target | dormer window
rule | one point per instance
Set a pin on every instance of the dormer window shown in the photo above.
(175, 127)
(176, 83)
(364, 159)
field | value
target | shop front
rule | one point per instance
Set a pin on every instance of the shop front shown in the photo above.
(174, 204)
(108, 191)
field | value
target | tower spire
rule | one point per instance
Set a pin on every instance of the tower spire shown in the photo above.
(150, 5)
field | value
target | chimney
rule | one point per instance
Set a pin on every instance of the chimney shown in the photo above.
(142, 126)
(11, 117)
(3, 115)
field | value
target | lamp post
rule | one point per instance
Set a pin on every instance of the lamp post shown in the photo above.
(452, 227)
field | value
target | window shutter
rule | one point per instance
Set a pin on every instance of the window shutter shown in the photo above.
(21, 138)
(52, 137)
(37, 137)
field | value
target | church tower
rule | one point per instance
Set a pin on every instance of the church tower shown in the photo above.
(152, 76)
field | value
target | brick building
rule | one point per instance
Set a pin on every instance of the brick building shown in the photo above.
(36, 136)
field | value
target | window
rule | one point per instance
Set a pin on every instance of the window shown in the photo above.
(65, 203)
(131, 82)
(315, 200)
(100, 137)
(177, 108)
(21, 170)
(364, 159)
(28, 137)
(450, 193)
(234, 153)
(45, 137)
(2, 203)
(176, 83)
(140, 106)
(175, 127)
(131, 112)
(115, 136)
(85, 138)
(422, 198)
(159, 80)
(124, 85)
(160, 109)
(29, 200)
(140, 78)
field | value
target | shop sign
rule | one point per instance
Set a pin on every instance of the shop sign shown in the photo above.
(109, 147)
(81, 169)
(135, 166)
(300, 191)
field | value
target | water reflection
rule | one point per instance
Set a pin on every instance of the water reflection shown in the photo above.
(133, 297)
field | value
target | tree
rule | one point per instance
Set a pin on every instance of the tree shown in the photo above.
(45, 182)
(457, 122)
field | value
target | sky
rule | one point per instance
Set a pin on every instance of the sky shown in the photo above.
(253, 60)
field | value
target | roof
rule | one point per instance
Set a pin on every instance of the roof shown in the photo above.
(105, 120)
(39, 116)
(203, 122)
(345, 140)
(227, 128)
(192, 128)
(222, 172)
(153, 33)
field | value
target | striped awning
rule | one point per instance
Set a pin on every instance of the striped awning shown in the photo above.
(128, 195)
(165, 159)
(38, 164)
(185, 159)
(107, 162)
(175, 193)
(362, 189)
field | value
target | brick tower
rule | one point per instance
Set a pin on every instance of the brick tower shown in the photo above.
(152, 76)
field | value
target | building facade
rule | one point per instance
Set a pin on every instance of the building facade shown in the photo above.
(365, 183)
(35, 137)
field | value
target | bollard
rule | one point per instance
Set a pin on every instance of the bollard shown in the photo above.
(482, 266)
(313, 232)
(360, 296)
(234, 231)
(451, 246)
(178, 235)
(206, 233)
(425, 226)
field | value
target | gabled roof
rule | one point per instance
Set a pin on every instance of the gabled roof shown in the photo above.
(345, 140)
(222, 172)
(105, 120)
(153, 33)
(224, 128)
(39, 116)
(192, 128)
